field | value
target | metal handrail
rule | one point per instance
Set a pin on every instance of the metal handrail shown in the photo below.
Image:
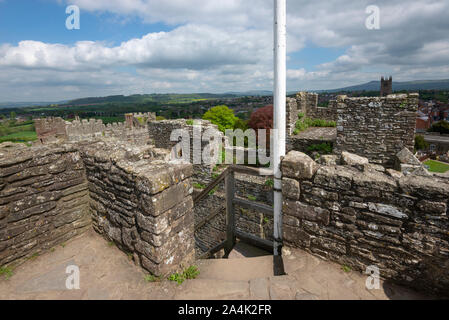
(231, 233)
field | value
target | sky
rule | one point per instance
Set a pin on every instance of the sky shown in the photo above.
(189, 46)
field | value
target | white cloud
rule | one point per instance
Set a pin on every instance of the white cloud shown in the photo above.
(221, 46)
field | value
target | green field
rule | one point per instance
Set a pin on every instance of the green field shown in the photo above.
(436, 166)
(24, 136)
(17, 132)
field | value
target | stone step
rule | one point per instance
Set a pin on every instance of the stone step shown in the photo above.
(244, 269)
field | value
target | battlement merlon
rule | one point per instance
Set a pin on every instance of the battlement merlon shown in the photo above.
(139, 120)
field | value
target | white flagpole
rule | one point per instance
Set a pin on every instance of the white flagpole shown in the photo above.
(280, 93)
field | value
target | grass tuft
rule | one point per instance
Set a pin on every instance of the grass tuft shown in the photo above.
(6, 272)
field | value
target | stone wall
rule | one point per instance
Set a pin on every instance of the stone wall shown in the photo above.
(160, 133)
(43, 199)
(94, 129)
(50, 130)
(292, 113)
(311, 137)
(376, 128)
(131, 193)
(139, 120)
(364, 215)
(142, 203)
(307, 103)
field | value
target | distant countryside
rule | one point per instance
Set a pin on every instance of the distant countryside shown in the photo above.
(17, 120)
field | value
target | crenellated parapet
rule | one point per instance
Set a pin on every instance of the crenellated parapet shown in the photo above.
(307, 103)
(48, 129)
(77, 130)
(139, 120)
(53, 129)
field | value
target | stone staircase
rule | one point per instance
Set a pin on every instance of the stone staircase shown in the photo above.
(243, 269)
(245, 274)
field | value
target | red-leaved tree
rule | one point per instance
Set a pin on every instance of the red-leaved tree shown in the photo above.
(262, 119)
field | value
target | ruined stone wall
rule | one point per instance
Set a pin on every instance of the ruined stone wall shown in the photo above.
(366, 215)
(43, 199)
(139, 120)
(160, 133)
(142, 203)
(93, 129)
(376, 128)
(308, 104)
(292, 112)
(50, 128)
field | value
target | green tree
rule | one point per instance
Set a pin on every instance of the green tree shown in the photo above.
(420, 143)
(221, 116)
(12, 115)
(441, 127)
(241, 124)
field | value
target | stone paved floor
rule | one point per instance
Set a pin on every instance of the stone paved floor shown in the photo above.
(107, 273)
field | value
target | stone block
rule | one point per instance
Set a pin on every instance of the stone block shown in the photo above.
(353, 159)
(303, 211)
(428, 187)
(159, 203)
(339, 178)
(406, 157)
(387, 210)
(329, 160)
(298, 165)
(439, 208)
(296, 236)
(161, 177)
(291, 188)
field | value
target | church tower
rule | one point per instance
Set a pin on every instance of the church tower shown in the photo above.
(386, 87)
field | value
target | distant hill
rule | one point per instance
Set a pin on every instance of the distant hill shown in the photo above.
(196, 97)
(170, 98)
(397, 86)
(254, 93)
(12, 105)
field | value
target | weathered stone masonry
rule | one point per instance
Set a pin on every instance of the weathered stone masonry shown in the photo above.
(142, 204)
(135, 198)
(376, 128)
(366, 215)
(308, 104)
(43, 199)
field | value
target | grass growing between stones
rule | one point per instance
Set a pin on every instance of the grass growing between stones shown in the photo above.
(251, 198)
(304, 123)
(346, 269)
(199, 186)
(34, 256)
(151, 278)
(188, 274)
(269, 183)
(6, 272)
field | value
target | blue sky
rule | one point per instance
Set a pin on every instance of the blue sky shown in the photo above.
(146, 46)
(44, 20)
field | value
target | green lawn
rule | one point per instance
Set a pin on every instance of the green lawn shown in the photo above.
(436, 166)
(24, 136)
